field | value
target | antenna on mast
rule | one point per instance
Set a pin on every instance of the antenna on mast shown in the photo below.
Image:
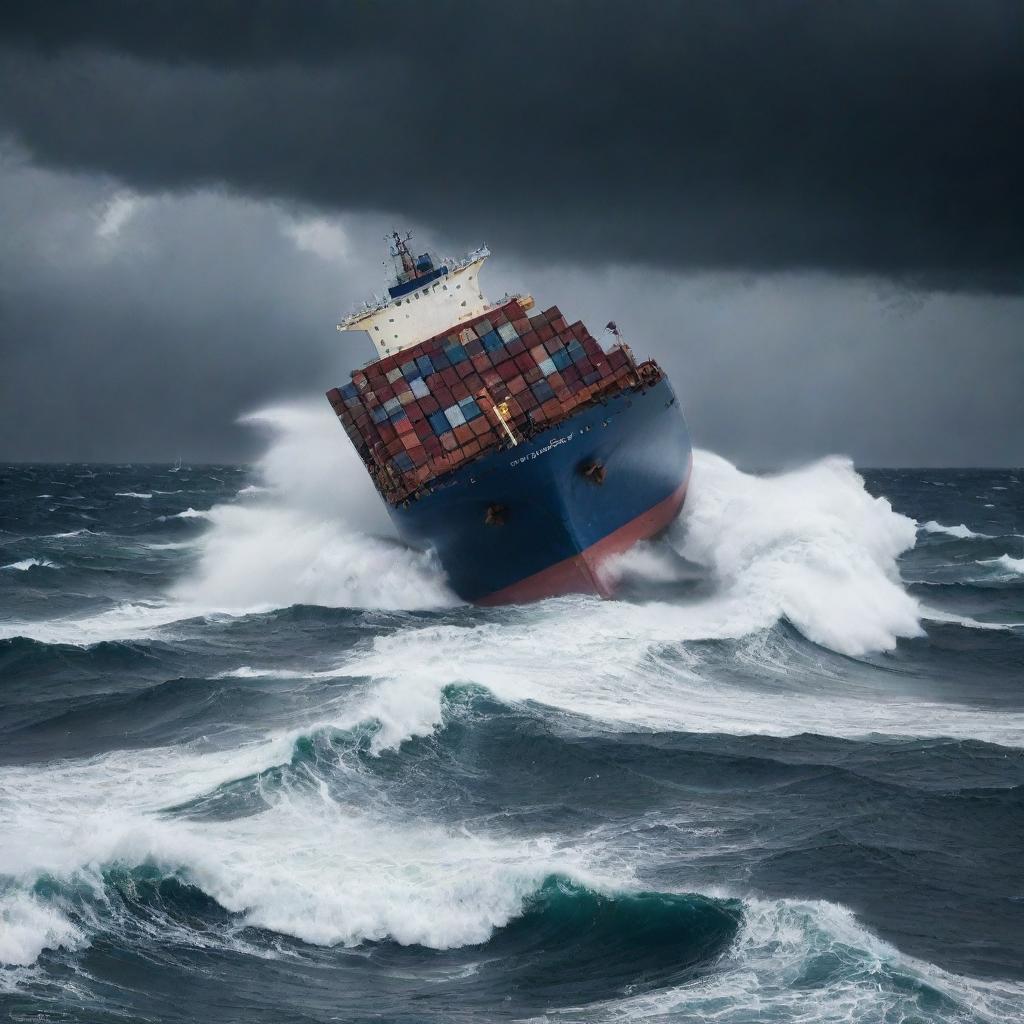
(400, 250)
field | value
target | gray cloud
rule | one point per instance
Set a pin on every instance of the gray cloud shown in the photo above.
(869, 138)
(809, 212)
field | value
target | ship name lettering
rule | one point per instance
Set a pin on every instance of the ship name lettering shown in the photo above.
(542, 451)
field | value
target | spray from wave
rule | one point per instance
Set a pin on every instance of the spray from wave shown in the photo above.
(304, 537)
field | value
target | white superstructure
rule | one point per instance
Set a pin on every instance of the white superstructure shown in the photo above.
(430, 300)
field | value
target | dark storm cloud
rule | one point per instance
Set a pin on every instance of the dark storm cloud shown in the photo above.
(864, 138)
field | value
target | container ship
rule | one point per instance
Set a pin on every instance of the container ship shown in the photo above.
(509, 441)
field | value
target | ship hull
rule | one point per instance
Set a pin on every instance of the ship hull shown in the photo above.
(527, 522)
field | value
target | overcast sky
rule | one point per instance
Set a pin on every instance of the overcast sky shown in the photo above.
(810, 212)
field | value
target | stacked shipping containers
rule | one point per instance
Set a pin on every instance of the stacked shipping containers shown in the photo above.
(431, 408)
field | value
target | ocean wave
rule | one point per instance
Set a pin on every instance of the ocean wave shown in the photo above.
(189, 513)
(133, 494)
(938, 615)
(28, 926)
(31, 563)
(303, 544)
(961, 532)
(813, 961)
(1012, 565)
(645, 678)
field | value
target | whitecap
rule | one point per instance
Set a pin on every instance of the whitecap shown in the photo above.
(28, 563)
(189, 513)
(133, 494)
(27, 927)
(1013, 565)
(961, 532)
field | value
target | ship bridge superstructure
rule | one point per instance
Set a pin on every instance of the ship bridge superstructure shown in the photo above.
(425, 299)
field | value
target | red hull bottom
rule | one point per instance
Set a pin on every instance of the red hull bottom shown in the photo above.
(581, 574)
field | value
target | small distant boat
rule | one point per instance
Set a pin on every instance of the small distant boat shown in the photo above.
(514, 445)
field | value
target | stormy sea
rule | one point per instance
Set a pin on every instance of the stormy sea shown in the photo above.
(258, 764)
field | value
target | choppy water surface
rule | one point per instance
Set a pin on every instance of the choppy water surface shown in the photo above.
(256, 764)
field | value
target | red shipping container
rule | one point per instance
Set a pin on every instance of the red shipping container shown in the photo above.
(334, 396)
(552, 345)
(521, 324)
(479, 425)
(515, 346)
(471, 448)
(444, 397)
(556, 380)
(449, 375)
(465, 368)
(429, 404)
(558, 323)
(492, 378)
(507, 370)
(459, 392)
(538, 353)
(545, 332)
(434, 380)
(403, 426)
(474, 382)
(516, 384)
(481, 362)
(552, 408)
(525, 361)
(463, 433)
(534, 375)
(448, 441)
(563, 394)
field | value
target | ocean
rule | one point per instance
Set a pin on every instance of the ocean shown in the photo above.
(258, 764)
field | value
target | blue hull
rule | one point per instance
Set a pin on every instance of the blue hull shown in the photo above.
(556, 525)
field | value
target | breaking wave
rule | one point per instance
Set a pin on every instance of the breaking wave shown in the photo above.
(31, 563)
(1012, 565)
(961, 532)
(304, 536)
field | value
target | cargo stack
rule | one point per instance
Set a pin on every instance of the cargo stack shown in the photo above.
(433, 407)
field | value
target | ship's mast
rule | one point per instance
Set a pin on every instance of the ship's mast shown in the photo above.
(401, 251)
